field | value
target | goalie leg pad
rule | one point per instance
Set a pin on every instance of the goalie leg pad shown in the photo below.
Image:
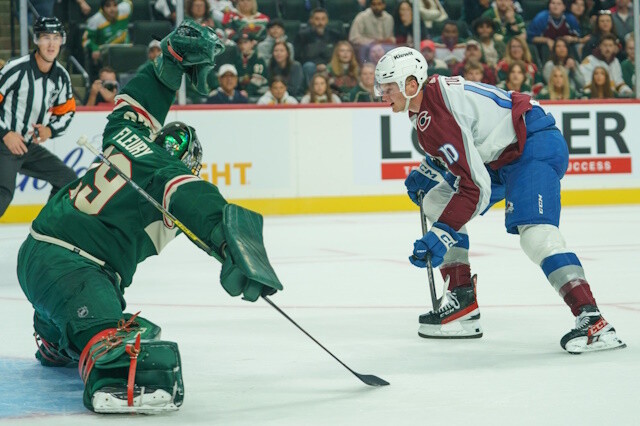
(126, 370)
(246, 268)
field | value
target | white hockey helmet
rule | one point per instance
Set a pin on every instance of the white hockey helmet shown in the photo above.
(398, 64)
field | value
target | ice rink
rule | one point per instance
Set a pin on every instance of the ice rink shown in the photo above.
(348, 282)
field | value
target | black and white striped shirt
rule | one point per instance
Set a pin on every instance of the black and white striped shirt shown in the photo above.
(28, 96)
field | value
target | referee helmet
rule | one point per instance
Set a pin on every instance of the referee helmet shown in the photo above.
(48, 25)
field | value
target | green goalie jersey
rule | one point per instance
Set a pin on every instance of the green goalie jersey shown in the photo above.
(106, 217)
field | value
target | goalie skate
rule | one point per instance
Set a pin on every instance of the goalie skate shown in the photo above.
(458, 316)
(112, 400)
(592, 333)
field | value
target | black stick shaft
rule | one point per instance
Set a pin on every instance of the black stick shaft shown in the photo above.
(432, 282)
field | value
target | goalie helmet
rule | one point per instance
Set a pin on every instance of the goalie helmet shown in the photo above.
(396, 66)
(181, 142)
(48, 25)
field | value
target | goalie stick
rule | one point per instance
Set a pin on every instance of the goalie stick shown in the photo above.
(367, 379)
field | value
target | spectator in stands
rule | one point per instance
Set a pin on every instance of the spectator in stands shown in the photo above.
(252, 70)
(579, 10)
(343, 70)
(558, 87)
(275, 32)
(315, 44)
(281, 64)
(228, 92)
(605, 56)
(108, 26)
(603, 25)
(517, 50)
(219, 8)
(104, 89)
(277, 93)
(493, 49)
(516, 78)
(449, 47)
(432, 11)
(473, 9)
(560, 55)
(373, 25)
(376, 52)
(85, 8)
(600, 86)
(167, 9)
(403, 24)
(200, 11)
(506, 21)
(153, 51)
(599, 5)
(623, 18)
(364, 92)
(628, 65)
(245, 18)
(435, 65)
(473, 71)
(473, 53)
(550, 24)
(320, 92)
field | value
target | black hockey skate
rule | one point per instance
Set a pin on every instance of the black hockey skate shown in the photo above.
(458, 316)
(592, 333)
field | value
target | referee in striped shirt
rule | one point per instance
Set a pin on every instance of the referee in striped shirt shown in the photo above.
(36, 104)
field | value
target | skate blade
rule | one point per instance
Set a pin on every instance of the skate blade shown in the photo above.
(607, 341)
(157, 402)
(452, 330)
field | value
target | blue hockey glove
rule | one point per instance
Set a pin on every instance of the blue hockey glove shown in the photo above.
(436, 242)
(425, 177)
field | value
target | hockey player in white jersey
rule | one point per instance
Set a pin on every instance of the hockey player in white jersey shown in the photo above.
(483, 145)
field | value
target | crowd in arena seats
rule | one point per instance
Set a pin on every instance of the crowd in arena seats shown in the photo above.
(325, 51)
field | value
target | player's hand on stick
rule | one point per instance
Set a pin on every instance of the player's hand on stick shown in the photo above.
(435, 243)
(424, 178)
(15, 143)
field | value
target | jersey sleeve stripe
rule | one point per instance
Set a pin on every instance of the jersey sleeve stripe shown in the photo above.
(170, 188)
(500, 101)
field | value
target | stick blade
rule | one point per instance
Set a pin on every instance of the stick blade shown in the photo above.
(371, 380)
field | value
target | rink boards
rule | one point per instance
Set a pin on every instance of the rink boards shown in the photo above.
(306, 159)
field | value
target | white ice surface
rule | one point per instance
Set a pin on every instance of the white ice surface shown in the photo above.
(348, 282)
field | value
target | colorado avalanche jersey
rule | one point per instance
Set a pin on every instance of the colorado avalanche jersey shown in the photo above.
(470, 126)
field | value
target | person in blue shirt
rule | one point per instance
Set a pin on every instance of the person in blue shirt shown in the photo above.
(551, 24)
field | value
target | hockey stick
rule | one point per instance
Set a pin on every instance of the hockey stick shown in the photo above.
(435, 301)
(367, 379)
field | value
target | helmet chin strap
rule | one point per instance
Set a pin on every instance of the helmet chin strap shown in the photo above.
(406, 105)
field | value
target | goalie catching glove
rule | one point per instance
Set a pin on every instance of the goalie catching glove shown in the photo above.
(190, 49)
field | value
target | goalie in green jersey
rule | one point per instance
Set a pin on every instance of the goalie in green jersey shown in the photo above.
(85, 245)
